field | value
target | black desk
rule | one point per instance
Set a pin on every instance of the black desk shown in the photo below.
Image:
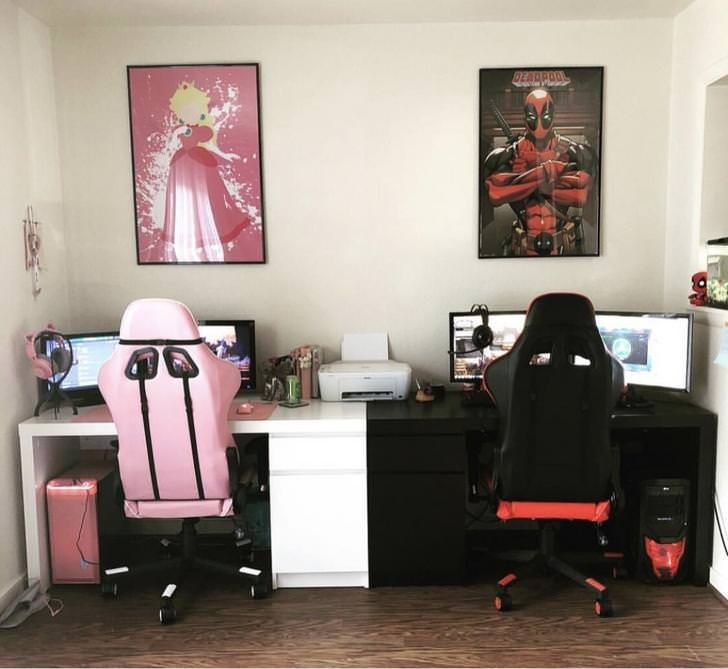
(417, 468)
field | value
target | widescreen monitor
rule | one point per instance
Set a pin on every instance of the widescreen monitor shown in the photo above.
(655, 349)
(233, 340)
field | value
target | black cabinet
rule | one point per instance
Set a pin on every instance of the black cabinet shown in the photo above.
(414, 535)
(417, 485)
(416, 464)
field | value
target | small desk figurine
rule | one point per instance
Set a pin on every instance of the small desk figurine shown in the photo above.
(700, 289)
(424, 392)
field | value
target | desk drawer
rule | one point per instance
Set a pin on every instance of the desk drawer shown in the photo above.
(416, 529)
(317, 453)
(319, 523)
(416, 453)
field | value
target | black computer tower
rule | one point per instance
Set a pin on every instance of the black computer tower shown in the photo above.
(663, 533)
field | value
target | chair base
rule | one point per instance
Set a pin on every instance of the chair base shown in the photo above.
(545, 558)
(179, 567)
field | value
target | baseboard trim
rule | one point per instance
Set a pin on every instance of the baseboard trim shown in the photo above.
(11, 591)
(350, 579)
(719, 582)
(718, 595)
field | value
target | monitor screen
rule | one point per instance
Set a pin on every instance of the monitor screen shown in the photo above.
(655, 349)
(233, 341)
(465, 363)
(90, 351)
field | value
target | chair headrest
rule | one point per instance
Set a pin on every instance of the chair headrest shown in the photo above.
(554, 309)
(156, 318)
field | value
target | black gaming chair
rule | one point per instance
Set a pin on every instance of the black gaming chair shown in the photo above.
(555, 391)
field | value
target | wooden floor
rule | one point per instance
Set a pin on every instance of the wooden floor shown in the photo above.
(552, 624)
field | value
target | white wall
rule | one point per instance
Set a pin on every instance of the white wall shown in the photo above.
(700, 57)
(370, 169)
(29, 174)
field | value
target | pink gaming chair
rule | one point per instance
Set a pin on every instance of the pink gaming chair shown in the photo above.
(169, 397)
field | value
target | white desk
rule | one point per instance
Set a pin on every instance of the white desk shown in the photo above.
(318, 488)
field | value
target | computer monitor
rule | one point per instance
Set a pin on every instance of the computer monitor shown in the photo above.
(90, 351)
(466, 362)
(655, 349)
(233, 340)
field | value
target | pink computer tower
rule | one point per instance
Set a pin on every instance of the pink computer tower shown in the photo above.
(73, 524)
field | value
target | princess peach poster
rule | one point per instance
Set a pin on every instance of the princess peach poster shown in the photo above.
(195, 135)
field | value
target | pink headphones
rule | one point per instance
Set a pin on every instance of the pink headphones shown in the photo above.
(46, 365)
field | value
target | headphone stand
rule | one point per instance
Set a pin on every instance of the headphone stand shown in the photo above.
(55, 399)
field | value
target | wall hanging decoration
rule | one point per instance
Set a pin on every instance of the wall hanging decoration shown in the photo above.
(31, 237)
(540, 151)
(196, 157)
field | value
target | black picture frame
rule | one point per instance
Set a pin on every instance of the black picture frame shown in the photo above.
(540, 196)
(235, 177)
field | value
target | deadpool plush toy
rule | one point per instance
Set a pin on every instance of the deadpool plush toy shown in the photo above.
(700, 289)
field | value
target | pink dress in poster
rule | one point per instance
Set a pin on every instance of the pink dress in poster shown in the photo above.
(197, 174)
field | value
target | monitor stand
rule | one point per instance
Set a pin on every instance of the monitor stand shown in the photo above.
(631, 399)
(476, 397)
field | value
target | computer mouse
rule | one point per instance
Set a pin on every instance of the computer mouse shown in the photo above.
(245, 407)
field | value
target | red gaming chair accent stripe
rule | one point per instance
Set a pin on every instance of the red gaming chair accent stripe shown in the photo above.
(592, 512)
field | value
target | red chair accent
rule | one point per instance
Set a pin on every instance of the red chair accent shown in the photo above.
(589, 511)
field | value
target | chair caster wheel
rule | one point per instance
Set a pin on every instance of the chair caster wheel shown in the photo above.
(503, 602)
(259, 591)
(167, 615)
(110, 590)
(603, 608)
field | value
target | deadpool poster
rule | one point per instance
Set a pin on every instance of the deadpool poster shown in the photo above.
(540, 152)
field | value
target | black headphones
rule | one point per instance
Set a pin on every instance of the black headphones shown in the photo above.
(482, 334)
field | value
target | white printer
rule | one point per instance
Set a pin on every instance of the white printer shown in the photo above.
(364, 372)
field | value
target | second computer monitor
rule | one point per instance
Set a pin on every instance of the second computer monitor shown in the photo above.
(234, 341)
(655, 349)
(466, 362)
(90, 351)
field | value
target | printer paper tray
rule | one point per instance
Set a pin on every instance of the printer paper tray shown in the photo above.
(363, 395)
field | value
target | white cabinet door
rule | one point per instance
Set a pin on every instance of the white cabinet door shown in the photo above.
(318, 522)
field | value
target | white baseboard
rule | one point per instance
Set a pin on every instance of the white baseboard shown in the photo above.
(719, 581)
(352, 579)
(11, 591)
